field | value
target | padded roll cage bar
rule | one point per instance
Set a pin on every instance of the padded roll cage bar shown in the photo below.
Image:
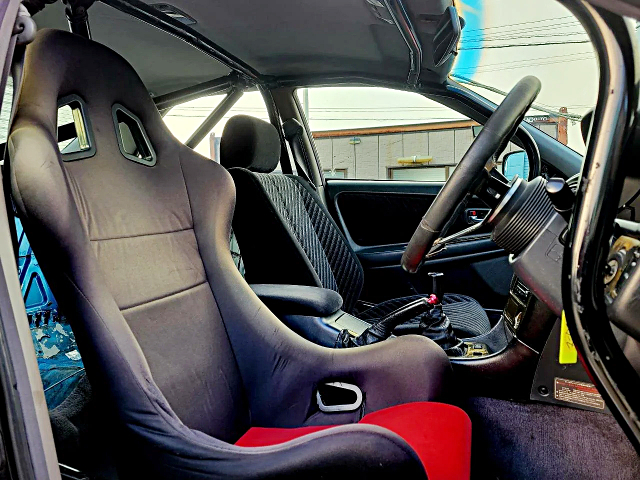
(400, 17)
(214, 117)
(219, 85)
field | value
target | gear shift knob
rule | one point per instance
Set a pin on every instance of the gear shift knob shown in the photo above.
(436, 287)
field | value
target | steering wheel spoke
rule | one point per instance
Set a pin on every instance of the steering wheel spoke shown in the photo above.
(441, 242)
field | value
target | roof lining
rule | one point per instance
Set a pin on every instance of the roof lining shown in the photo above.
(155, 18)
(242, 71)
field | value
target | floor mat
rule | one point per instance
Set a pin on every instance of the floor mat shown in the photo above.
(537, 441)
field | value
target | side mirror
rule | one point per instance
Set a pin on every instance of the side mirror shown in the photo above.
(515, 163)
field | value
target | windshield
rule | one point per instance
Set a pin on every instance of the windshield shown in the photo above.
(505, 41)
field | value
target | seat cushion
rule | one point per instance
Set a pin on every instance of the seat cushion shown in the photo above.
(467, 316)
(440, 434)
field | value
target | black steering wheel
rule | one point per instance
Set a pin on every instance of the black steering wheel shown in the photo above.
(468, 175)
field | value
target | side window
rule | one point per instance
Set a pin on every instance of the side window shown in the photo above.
(185, 118)
(5, 110)
(384, 134)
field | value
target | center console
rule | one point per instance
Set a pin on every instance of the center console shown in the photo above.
(315, 314)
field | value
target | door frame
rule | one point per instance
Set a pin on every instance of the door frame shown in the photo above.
(25, 420)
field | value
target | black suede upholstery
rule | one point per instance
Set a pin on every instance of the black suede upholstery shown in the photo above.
(298, 299)
(180, 352)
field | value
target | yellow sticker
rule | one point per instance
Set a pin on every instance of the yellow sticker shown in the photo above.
(568, 352)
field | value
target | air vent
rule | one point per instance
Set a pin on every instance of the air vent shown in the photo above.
(133, 141)
(174, 13)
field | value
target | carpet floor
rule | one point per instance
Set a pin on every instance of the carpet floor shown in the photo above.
(539, 441)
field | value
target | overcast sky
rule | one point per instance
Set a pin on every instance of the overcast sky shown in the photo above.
(502, 42)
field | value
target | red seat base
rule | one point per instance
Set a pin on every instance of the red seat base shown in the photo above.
(440, 434)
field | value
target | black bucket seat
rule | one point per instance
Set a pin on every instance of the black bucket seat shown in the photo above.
(195, 376)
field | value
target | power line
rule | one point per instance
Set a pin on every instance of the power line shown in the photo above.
(516, 67)
(522, 23)
(552, 30)
(526, 62)
(541, 44)
(519, 37)
(534, 106)
(543, 28)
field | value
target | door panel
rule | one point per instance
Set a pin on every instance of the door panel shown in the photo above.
(379, 217)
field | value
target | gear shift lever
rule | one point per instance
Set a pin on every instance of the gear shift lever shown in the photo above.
(436, 287)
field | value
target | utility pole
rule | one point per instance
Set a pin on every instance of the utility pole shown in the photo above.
(563, 136)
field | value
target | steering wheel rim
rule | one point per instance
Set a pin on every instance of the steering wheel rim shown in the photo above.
(495, 134)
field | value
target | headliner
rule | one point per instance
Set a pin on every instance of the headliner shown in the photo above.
(164, 62)
(278, 38)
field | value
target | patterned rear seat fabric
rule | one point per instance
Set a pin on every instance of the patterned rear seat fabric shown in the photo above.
(287, 236)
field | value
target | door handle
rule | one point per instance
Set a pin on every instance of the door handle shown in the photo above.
(475, 215)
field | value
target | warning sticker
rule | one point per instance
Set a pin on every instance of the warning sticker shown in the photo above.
(581, 393)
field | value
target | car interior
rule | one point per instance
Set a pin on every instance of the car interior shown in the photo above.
(210, 300)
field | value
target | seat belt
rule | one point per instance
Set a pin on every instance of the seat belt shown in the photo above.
(293, 132)
(24, 33)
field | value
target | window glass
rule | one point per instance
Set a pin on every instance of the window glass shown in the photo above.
(503, 42)
(5, 111)
(185, 118)
(65, 117)
(384, 134)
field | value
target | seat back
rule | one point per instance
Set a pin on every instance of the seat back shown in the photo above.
(304, 246)
(134, 238)
(116, 238)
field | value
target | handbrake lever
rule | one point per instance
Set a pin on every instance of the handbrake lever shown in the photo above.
(383, 329)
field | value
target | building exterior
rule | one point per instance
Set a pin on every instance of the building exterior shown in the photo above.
(428, 152)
